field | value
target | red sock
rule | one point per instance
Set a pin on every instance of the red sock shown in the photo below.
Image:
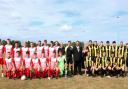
(49, 72)
(52, 72)
(57, 72)
(27, 72)
(21, 73)
(8, 74)
(43, 74)
(30, 75)
(14, 74)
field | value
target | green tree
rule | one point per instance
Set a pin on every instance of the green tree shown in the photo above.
(28, 43)
(19, 43)
(13, 42)
(4, 42)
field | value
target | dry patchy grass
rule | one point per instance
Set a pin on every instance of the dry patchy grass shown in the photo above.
(76, 82)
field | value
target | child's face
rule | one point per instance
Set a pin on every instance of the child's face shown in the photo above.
(104, 54)
(27, 55)
(35, 55)
(112, 55)
(101, 43)
(69, 43)
(56, 43)
(114, 44)
(54, 55)
(127, 46)
(51, 45)
(24, 44)
(98, 55)
(43, 55)
(60, 53)
(39, 43)
(120, 55)
(17, 54)
(8, 55)
(8, 41)
(88, 53)
(45, 43)
(16, 45)
(32, 45)
(121, 43)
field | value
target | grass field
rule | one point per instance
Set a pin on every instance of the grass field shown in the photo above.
(76, 82)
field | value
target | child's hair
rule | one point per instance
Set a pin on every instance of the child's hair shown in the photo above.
(61, 51)
(39, 41)
(45, 40)
(17, 51)
(112, 52)
(114, 42)
(54, 51)
(35, 52)
(8, 52)
(27, 52)
(107, 42)
(8, 39)
(16, 42)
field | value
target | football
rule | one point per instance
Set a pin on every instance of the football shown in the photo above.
(23, 77)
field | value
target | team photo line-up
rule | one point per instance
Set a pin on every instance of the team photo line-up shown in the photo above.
(55, 59)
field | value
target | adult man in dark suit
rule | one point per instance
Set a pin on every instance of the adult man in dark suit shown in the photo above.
(68, 51)
(77, 54)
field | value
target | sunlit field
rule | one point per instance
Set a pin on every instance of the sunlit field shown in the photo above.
(76, 82)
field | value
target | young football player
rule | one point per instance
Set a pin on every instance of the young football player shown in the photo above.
(120, 66)
(61, 64)
(32, 50)
(18, 65)
(25, 50)
(54, 65)
(103, 64)
(39, 49)
(109, 65)
(1, 58)
(46, 49)
(121, 49)
(126, 59)
(8, 48)
(97, 65)
(101, 49)
(108, 49)
(44, 62)
(88, 64)
(115, 49)
(51, 49)
(27, 62)
(57, 46)
(9, 68)
(16, 49)
(113, 61)
(36, 66)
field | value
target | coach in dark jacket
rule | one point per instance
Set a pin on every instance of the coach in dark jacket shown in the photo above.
(77, 54)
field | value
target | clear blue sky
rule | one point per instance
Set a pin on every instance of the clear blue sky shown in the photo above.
(64, 20)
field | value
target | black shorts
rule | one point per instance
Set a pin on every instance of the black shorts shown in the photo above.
(93, 58)
(69, 60)
(127, 62)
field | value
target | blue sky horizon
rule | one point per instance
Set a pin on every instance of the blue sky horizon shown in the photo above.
(64, 20)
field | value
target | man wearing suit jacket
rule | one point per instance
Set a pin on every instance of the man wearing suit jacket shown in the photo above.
(77, 54)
